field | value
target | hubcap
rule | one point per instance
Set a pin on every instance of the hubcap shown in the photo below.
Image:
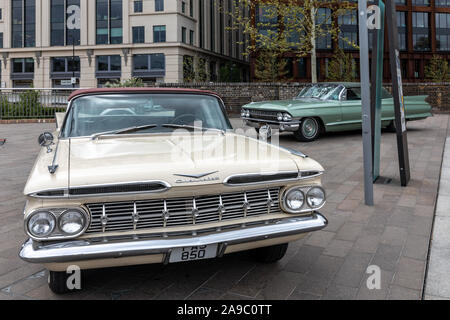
(309, 128)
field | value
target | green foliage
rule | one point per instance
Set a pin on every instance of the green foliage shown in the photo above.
(437, 70)
(129, 83)
(188, 69)
(229, 72)
(270, 67)
(28, 107)
(342, 67)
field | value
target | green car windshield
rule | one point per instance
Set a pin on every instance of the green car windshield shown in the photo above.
(321, 92)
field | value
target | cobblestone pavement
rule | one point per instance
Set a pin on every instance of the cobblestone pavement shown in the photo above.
(329, 264)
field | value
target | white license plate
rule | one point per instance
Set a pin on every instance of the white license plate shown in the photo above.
(193, 253)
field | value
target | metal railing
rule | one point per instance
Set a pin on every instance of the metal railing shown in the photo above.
(35, 103)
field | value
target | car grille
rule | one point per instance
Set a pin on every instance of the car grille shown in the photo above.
(263, 115)
(177, 212)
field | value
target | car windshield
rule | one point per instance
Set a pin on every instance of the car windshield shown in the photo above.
(143, 113)
(321, 92)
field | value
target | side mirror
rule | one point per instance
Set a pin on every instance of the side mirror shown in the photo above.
(46, 140)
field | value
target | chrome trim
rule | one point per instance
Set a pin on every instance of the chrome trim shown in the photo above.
(286, 123)
(53, 167)
(305, 207)
(268, 174)
(56, 213)
(68, 195)
(79, 250)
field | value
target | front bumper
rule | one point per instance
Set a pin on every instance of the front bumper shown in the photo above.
(81, 250)
(291, 126)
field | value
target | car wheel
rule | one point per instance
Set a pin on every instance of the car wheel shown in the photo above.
(309, 130)
(270, 254)
(391, 127)
(57, 282)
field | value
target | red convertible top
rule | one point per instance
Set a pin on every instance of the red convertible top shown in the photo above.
(138, 90)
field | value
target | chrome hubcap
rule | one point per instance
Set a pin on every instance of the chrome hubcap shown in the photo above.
(309, 128)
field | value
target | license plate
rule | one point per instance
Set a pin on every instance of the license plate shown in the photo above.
(193, 253)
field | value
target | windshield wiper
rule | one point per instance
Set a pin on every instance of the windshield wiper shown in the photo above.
(185, 126)
(123, 131)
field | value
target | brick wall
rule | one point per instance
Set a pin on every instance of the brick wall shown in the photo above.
(236, 95)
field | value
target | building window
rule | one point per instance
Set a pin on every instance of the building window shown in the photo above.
(63, 69)
(159, 33)
(421, 2)
(64, 22)
(1, 40)
(443, 31)
(402, 27)
(149, 65)
(191, 37)
(201, 22)
(183, 34)
(421, 31)
(212, 24)
(324, 18)
(442, 3)
(22, 69)
(159, 5)
(109, 21)
(23, 23)
(1, 14)
(267, 24)
(348, 25)
(108, 69)
(138, 34)
(191, 8)
(183, 7)
(137, 6)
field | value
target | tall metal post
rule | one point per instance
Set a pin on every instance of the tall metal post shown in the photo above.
(365, 99)
(397, 92)
(376, 89)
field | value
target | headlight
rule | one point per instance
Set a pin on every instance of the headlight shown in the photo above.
(71, 222)
(287, 117)
(315, 197)
(243, 113)
(294, 200)
(41, 224)
(279, 116)
(247, 113)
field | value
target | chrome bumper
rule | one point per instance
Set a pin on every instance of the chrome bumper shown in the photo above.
(282, 126)
(79, 250)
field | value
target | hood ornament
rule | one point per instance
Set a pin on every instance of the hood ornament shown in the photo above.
(195, 176)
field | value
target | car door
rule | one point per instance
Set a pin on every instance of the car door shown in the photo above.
(351, 109)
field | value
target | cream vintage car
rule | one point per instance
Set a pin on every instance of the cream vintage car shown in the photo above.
(141, 176)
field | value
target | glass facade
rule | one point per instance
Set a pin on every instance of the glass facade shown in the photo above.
(23, 24)
(109, 21)
(421, 31)
(443, 31)
(65, 22)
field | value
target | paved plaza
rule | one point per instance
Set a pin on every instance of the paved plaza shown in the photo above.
(330, 264)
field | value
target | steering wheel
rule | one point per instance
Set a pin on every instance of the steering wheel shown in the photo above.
(184, 119)
(117, 112)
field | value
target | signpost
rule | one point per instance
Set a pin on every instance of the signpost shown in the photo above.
(397, 92)
(365, 100)
(73, 23)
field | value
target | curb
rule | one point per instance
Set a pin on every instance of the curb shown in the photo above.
(17, 121)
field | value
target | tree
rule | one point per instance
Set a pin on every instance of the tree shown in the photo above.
(133, 82)
(270, 67)
(341, 67)
(437, 70)
(229, 72)
(287, 26)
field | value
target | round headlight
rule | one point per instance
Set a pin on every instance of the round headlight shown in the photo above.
(294, 200)
(287, 117)
(41, 224)
(315, 197)
(279, 116)
(72, 222)
(243, 113)
(247, 113)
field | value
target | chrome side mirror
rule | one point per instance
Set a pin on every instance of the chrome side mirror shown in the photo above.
(46, 140)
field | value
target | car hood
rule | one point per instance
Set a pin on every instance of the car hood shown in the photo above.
(287, 105)
(176, 160)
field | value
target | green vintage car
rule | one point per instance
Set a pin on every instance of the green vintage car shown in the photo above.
(326, 107)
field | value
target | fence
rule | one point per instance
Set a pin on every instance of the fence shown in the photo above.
(43, 103)
(32, 103)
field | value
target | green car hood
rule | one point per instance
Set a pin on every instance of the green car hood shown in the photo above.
(288, 105)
